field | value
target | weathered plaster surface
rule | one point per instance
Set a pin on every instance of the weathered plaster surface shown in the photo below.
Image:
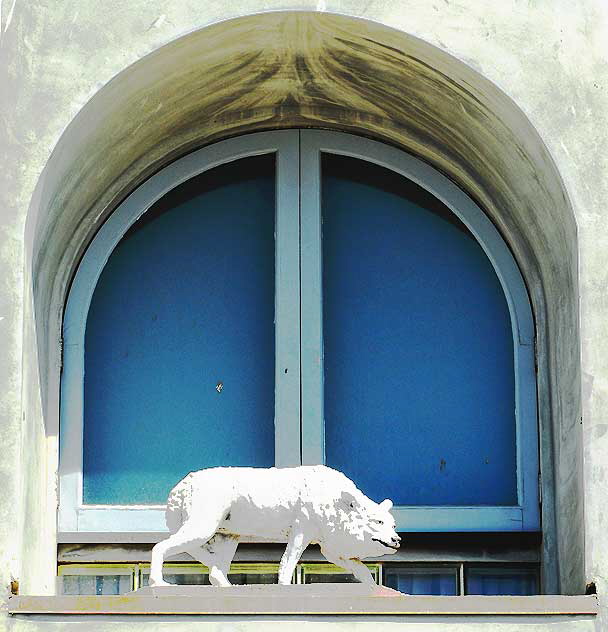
(324, 624)
(13, 201)
(296, 624)
(549, 56)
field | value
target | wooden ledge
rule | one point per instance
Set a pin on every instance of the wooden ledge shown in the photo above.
(319, 599)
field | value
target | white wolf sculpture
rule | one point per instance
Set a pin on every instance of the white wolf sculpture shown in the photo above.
(208, 510)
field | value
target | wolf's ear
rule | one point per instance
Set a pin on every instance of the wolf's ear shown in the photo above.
(386, 504)
(349, 500)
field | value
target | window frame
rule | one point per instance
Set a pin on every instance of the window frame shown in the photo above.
(525, 516)
(73, 514)
(299, 429)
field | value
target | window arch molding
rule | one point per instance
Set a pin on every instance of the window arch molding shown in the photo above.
(470, 130)
(299, 393)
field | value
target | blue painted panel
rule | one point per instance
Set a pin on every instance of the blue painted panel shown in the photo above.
(501, 581)
(418, 350)
(421, 582)
(185, 302)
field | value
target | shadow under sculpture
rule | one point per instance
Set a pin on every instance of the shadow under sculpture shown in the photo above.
(208, 510)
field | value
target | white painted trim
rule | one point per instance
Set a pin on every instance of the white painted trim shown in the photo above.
(313, 433)
(287, 312)
(460, 519)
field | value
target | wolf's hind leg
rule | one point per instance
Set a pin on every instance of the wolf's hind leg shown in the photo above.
(193, 533)
(217, 555)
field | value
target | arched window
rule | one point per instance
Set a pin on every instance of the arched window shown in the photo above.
(300, 297)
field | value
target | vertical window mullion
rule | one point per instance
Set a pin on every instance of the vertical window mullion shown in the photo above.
(313, 434)
(287, 305)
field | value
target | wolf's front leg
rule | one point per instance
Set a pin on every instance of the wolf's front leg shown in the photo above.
(296, 544)
(356, 567)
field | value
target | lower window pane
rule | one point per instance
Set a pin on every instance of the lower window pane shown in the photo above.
(501, 581)
(183, 579)
(96, 584)
(329, 578)
(330, 574)
(253, 578)
(237, 576)
(422, 581)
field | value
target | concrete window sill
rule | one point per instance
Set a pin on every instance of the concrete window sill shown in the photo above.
(320, 599)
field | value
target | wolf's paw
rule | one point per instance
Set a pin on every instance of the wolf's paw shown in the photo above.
(158, 582)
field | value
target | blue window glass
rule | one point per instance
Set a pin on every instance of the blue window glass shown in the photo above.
(418, 347)
(179, 347)
(501, 581)
(421, 581)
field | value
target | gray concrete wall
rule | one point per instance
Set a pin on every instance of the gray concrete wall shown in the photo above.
(548, 56)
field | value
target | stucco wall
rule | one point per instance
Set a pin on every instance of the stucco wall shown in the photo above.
(232, 624)
(549, 57)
